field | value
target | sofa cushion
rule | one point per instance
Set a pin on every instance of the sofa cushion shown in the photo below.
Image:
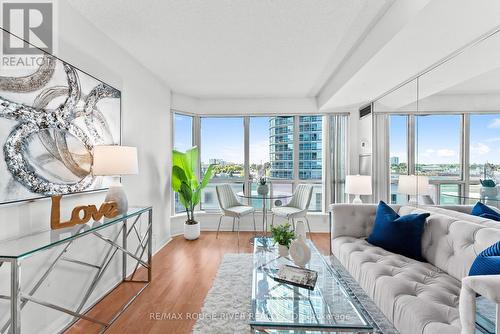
(481, 209)
(398, 234)
(452, 242)
(488, 262)
(416, 296)
(495, 216)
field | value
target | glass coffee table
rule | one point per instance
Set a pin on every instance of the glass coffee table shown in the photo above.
(278, 307)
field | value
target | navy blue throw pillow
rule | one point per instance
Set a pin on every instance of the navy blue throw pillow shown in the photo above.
(487, 262)
(398, 234)
(481, 209)
(490, 216)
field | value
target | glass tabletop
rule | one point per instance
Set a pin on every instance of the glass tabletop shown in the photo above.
(329, 307)
(274, 195)
(28, 244)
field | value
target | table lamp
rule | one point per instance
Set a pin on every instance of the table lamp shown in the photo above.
(114, 160)
(358, 185)
(413, 186)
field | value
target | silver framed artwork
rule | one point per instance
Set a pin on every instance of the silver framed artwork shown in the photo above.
(51, 117)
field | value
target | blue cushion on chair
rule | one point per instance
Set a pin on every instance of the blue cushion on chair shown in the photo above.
(481, 209)
(487, 262)
(398, 234)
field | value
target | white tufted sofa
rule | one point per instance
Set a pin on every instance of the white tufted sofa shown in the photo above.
(417, 297)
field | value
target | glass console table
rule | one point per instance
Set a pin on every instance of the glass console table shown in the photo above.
(14, 251)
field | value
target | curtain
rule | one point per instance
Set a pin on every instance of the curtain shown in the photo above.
(338, 156)
(380, 157)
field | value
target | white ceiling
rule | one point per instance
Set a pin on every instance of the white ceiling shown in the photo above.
(437, 30)
(245, 48)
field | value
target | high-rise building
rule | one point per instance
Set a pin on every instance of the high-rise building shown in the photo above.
(394, 160)
(281, 147)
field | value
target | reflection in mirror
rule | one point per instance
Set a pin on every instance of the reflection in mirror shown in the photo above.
(447, 123)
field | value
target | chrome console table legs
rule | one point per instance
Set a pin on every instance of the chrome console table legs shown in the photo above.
(19, 298)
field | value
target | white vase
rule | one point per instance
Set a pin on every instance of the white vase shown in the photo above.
(192, 231)
(262, 189)
(488, 192)
(300, 230)
(300, 252)
(283, 250)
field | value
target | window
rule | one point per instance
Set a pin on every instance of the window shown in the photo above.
(183, 132)
(222, 144)
(259, 156)
(310, 156)
(441, 149)
(281, 138)
(310, 148)
(438, 147)
(398, 154)
(286, 149)
(183, 140)
(484, 161)
(449, 193)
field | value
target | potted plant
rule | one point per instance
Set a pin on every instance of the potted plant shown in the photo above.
(186, 184)
(283, 235)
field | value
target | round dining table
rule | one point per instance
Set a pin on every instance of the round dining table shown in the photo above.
(270, 196)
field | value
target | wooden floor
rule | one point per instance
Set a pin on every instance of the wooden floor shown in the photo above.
(183, 272)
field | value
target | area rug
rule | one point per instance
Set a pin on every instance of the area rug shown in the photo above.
(227, 306)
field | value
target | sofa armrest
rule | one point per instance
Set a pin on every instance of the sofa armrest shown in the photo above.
(353, 220)
(487, 286)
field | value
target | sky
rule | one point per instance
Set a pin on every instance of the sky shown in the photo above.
(222, 138)
(438, 138)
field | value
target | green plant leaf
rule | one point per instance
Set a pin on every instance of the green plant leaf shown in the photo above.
(196, 196)
(180, 160)
(178, 177)
(183, 201)
(186, 195)
(192, 160)
(184, 180)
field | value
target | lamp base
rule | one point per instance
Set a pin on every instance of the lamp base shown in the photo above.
(117, 194)
(357, 200)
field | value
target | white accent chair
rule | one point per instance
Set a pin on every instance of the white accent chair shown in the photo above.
(298, 206)
(231, 207)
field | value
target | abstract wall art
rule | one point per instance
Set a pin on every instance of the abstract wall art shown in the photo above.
(50, 119)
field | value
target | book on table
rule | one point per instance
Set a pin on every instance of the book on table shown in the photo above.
(301, 277)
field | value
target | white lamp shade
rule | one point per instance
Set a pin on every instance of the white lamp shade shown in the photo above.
(413, 185)
(114, 160)
(358, 184)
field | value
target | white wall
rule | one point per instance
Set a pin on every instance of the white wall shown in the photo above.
(145, 124)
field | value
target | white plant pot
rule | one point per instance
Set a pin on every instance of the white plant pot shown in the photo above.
(192, 231)
(283, 250)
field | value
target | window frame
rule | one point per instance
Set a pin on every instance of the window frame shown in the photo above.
(173, 112)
